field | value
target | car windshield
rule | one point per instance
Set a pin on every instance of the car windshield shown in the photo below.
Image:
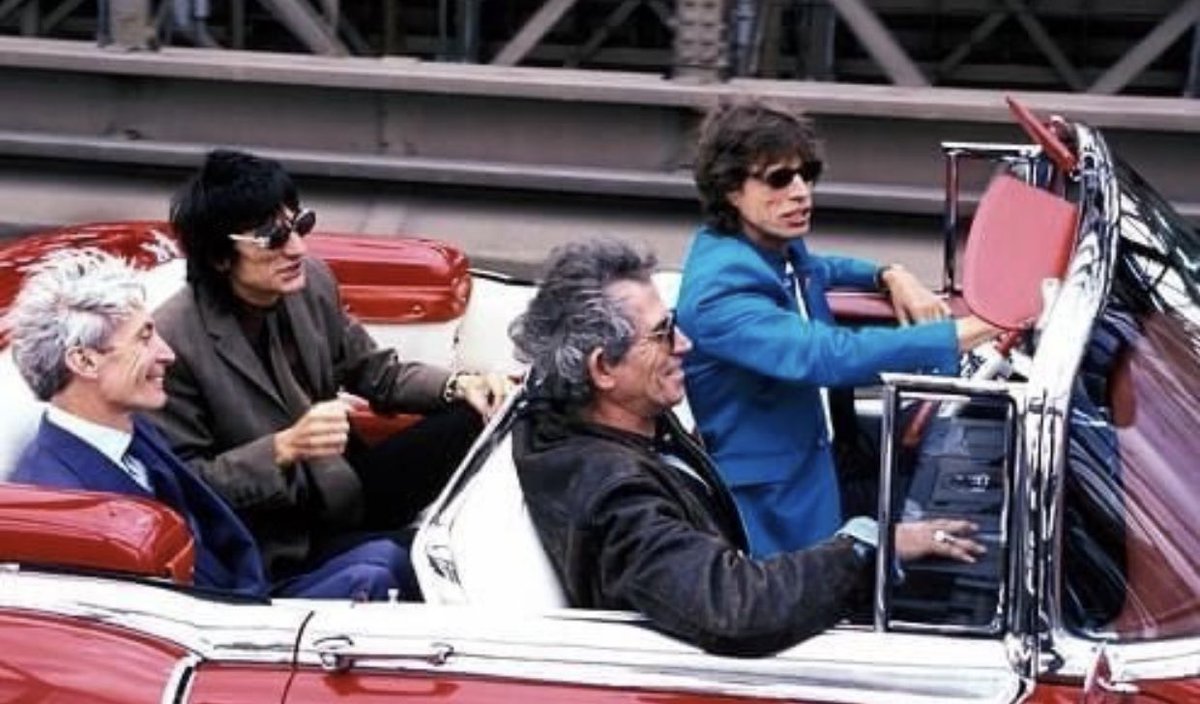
(1131, 550)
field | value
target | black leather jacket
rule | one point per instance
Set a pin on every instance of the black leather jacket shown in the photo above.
(626, 530)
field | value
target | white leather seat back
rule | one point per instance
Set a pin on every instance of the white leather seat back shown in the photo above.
(22, 413)
(478, 545)
(481, 340)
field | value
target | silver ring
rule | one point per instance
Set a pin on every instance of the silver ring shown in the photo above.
(941, 536)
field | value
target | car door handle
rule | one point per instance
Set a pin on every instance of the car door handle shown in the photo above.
(337, 654)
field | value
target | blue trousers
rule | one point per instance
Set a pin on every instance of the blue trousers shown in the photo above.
(365, 572)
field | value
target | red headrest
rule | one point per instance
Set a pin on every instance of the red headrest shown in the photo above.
(1021, 235)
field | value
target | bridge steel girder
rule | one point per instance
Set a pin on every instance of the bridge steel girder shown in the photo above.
(542, 21)
(701, 44)
(1137, 59)
(879, 43)
(542, 130)
(316, 33)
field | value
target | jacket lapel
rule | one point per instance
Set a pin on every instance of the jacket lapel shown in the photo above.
(232, 346)
(812, 280)
(226, 554)
(312, 357)
(95, 471)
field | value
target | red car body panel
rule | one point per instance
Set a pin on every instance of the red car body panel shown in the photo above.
(52, 660)
(95, 531)
(314, 686)
(1149, 692)
(419, 281)
(237, 684)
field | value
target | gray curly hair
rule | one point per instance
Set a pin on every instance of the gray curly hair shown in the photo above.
(572, 315)
(74, 298)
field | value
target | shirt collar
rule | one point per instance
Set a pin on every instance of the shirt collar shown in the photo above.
(110, 442)
(797, 253)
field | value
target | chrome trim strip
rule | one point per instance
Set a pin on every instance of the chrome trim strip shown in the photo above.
(211, 630)
(179, 684)
(881, 599)
(1061, 349)
(955, 390)
(571, 647)
(950, 221)
(846, 665)
(952, 153)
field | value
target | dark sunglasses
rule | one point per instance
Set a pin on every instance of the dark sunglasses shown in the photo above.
(782, 177)
(275, 234)
(664, 330)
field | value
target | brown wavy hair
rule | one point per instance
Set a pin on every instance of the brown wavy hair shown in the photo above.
(738, 137)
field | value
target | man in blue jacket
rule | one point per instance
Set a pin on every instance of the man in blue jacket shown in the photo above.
(766, 348)
(84, 342)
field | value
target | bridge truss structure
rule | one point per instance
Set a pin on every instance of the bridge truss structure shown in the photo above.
(1105, 47)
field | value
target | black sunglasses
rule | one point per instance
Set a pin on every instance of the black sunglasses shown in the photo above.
(664, 330)
(782, 177)
(275, 234)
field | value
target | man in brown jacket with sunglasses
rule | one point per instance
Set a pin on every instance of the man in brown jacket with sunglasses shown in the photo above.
(266, 357)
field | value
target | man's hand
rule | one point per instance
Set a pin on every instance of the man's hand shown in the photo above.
(912, 301)
(940, 537)
(321, 432)
(485, 392)
(973, 331)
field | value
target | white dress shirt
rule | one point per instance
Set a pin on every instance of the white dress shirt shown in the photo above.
(110, 442)
(790, 273)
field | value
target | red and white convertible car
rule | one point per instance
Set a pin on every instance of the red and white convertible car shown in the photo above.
(1074, 447)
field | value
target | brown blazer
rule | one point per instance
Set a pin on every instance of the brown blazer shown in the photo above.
(223, 409)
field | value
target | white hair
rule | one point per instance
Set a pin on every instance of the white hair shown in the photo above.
(73, 298)
(573, 314)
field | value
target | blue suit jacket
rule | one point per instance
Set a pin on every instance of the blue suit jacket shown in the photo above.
(754, 377)
(226, 556)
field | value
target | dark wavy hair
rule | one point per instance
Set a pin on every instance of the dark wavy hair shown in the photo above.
(572, 315)
(232, 192)
(738, 137)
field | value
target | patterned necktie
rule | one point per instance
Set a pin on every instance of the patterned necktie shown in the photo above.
(136, 469)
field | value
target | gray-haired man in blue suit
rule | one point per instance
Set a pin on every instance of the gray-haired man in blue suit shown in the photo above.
(85, 343)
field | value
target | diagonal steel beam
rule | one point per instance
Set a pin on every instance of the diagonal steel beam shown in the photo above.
(1191, 86)
(1150, 48)
(879, 43)
(982, 31)
(58, 14)
(306, 25)
(1041, 39)
(7, 7)
(542, 21)
(615, 19)
(662, 11)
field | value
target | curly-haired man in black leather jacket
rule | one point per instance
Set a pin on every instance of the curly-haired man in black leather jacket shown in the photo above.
(629, 507)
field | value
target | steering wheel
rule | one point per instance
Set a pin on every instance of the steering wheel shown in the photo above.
(1059, 153)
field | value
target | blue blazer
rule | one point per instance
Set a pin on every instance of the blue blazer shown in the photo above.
(226, 556)
(756, 368)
